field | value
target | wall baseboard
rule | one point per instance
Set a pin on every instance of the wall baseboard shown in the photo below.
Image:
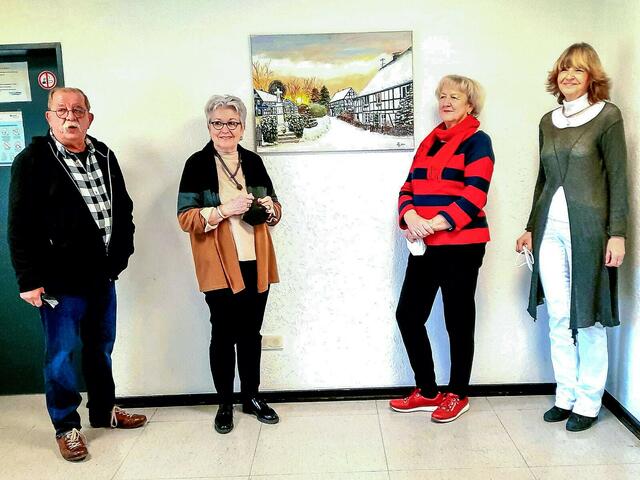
(487, 390)
(621, 413)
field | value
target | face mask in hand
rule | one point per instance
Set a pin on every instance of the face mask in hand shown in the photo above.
(525, 257)
(417, 248)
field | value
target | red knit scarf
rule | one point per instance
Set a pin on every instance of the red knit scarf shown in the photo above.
(452, 138)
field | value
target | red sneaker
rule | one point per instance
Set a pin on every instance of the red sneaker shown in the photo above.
(416, 402)
(450, 408)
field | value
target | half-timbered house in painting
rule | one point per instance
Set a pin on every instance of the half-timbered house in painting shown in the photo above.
(267, 104)
(342, 101)
(378, 104)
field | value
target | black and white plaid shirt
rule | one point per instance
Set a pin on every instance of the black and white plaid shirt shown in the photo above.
(91, 185)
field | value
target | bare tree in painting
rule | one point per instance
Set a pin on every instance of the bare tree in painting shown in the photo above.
(309, 84)
(294, 90)
(262, 75)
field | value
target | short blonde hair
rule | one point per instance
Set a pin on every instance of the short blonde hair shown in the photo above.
(471, 88)
(581, 55)
(53, 91)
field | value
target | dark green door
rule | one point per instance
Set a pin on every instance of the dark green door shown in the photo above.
(21, 341)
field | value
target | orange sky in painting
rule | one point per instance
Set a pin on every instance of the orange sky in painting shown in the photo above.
(335, 60)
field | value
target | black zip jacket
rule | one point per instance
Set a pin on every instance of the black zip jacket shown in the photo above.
(53, 239)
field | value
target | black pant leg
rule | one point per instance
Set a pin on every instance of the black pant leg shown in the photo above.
(460, 278)
(416, 299)
(223, 307)
(248, 331)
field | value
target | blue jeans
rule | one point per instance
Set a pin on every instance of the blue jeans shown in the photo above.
(87, 323)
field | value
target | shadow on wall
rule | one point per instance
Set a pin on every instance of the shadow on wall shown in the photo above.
(624, 374)
(434, 319)
(161, 268)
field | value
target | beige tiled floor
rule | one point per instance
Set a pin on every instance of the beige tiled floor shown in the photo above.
(501, 438)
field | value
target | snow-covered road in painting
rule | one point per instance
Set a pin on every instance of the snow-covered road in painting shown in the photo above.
(344, 137)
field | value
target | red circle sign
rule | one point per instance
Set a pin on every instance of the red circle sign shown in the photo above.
(47, 79)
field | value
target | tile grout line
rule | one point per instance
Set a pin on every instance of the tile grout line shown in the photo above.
(513, 442)
(384, 448)
(253, 459)
(493, 409)
(133, 444)
(375, 402)
(535, 477)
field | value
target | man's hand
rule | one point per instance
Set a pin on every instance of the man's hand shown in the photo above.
(32, 297)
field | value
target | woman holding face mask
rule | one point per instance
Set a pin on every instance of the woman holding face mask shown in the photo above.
(226, 203)
(577, 229)
(441, 204)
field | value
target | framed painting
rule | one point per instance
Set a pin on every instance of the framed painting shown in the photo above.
(333, 92)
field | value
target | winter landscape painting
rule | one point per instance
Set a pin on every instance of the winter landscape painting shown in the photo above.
(333, 92)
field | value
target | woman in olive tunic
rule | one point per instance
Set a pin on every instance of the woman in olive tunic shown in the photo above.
(577, 229)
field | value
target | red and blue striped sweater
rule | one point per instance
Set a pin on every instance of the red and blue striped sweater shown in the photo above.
(458, 192)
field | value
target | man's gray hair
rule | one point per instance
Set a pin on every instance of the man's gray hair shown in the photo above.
(53, 91)
(226, 101)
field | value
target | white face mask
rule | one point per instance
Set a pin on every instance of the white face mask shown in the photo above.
(417, 247)
(525, 259)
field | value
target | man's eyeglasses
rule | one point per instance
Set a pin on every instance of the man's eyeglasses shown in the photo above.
(78, 112)
(218, 125)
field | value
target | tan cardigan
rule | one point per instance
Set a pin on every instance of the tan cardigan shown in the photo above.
(215, 257)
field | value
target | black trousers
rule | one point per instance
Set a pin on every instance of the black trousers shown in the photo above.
(236, 320)
(454, 270)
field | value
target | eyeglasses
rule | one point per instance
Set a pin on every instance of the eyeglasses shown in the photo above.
(218, 125)
(78, 112)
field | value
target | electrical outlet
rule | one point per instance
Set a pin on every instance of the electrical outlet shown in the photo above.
(272, 342)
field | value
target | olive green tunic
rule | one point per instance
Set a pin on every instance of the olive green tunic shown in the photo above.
(589, 162)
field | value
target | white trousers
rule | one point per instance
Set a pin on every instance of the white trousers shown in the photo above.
(581, 369)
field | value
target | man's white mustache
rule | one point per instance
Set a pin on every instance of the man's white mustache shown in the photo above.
(67, 125)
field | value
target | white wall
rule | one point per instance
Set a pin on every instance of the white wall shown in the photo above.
(148, 68)
(624, 343)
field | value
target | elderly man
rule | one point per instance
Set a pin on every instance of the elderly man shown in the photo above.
(70, 235)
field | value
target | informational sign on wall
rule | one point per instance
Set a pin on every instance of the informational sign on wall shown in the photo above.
(14, 82)
(11, 136)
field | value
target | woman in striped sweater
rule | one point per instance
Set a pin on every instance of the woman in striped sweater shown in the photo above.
(441, 205)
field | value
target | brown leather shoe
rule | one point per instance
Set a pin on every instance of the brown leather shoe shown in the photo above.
(123, 419)
(73, 446)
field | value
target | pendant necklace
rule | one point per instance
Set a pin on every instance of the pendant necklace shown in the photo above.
(567, 117)
(227, 170)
